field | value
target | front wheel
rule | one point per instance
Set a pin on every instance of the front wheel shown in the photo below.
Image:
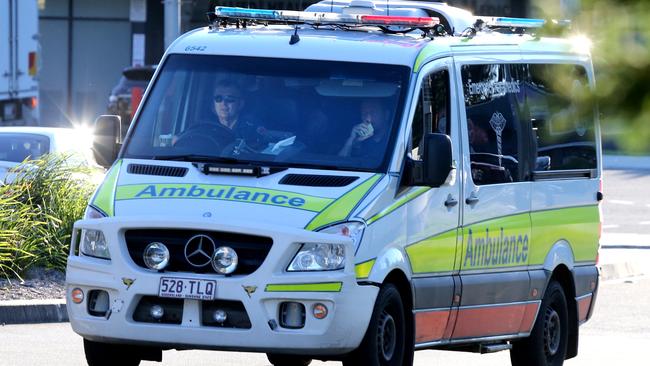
(287, 360)
(385, 341)
(547, 343)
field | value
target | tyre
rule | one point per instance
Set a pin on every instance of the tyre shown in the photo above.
(384, 343)
(287, 360)
(547, 343)
(105, 354)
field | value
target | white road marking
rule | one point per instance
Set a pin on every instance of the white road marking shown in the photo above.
(611, 226)
(621, 202)
(644, 223)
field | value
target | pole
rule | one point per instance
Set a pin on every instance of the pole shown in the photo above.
(172, 21)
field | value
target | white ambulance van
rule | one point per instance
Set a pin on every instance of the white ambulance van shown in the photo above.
(352, 182)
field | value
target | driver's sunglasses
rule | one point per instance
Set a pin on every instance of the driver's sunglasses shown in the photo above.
(225, 99)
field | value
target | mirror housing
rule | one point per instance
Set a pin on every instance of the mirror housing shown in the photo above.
(436, 163)
(106, 143)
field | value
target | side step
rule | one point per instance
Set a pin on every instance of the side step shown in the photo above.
(495, 347)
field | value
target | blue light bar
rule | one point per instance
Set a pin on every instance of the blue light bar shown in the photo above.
(516, 22)
(243, 13)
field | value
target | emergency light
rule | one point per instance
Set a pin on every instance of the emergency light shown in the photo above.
(494, 22)
(290, 16)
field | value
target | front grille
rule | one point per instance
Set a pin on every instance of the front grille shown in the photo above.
(312, 180)
(159, 170)
(251, 249)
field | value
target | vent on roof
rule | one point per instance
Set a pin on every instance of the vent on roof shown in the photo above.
(165, 171)
(317, 180)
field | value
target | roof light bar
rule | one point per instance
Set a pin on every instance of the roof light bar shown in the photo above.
(323, 18)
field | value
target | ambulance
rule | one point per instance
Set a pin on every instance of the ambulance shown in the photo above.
(352, 182)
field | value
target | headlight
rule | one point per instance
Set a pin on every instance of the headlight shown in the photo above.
(327, 257)
(318, 257)
(92, 213)
(94, 244)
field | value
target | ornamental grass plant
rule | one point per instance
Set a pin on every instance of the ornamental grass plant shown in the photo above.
(37, 212)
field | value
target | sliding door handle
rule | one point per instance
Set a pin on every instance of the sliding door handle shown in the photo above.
(472, 199)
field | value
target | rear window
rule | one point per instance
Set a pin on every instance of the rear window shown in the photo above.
(16, 147)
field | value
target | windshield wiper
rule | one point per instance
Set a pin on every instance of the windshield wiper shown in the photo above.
(197, 158)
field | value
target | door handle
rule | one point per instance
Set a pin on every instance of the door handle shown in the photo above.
(451, 201)
(472, 199)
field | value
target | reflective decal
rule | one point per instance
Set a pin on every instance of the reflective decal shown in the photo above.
(305, 287)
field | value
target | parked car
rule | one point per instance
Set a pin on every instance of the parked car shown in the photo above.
(126, 95)
(18, 144)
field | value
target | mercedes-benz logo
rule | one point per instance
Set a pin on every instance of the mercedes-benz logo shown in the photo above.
(199, 250)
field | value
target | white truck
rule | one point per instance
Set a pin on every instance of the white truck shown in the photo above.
(19, 62)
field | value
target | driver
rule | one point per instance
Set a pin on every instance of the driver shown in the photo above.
(230, 126)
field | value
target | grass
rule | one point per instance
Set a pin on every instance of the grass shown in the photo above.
(37, 212)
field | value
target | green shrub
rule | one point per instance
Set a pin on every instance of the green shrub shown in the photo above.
(37, 212)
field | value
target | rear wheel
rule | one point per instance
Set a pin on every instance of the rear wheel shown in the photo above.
(547, 343)
(105, 354)
(287, 360)
(385, 341)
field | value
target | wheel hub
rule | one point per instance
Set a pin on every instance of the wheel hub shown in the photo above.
(552, 332)
(387, 336)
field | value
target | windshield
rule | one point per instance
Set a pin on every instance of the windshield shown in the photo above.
(322, 114)
(16, 147)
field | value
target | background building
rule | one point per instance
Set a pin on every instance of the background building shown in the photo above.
(87, 43)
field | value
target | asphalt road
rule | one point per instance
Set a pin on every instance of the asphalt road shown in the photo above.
(619, 334)
(626, 208)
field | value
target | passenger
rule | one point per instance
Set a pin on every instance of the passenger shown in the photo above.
(368, 137)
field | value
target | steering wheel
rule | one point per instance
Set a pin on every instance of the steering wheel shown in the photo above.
(203, 135)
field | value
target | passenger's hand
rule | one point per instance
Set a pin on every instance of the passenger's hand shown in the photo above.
(363, 131)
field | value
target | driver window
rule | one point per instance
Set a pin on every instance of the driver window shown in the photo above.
(432, 111)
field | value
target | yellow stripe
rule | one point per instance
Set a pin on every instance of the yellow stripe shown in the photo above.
(363, 269)
(305, 287)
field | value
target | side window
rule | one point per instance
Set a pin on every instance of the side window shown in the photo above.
(431, 114)
(562, 119)
(493, 96)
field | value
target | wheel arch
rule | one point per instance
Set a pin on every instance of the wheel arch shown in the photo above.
(559, 262)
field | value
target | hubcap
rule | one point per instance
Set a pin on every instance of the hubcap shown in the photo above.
(552, 332)
(387, 336)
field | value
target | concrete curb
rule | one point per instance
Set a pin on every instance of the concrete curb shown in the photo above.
(33, 311)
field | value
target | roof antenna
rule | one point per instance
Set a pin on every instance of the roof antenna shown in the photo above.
(295, 38)
(331, 6)
(387, 8)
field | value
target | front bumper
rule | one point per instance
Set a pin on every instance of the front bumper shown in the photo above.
(341, 331)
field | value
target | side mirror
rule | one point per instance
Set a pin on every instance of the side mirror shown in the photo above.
(106, 140)
(436, 162)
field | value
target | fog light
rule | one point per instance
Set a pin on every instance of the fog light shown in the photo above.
(219, 316)
(98, 301)
(77, 296)
(292, 315)
(157, 312)
(156, 256)
(320, 311)
(225, 260)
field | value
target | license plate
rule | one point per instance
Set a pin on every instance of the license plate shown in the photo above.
(187, 288)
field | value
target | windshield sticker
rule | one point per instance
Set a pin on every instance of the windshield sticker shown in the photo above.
(494, 89)
(222, 193)
(498, 123)
(498, 250)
